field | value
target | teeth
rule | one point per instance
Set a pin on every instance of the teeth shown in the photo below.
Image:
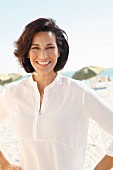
(43, 63)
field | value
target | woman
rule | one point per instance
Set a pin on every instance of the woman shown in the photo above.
(51, 112)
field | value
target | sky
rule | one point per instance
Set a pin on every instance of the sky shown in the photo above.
(88, 24)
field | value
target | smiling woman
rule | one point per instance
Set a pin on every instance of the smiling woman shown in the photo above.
(51, 112)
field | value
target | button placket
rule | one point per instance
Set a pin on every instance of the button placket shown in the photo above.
(38, 113)
(36, 118)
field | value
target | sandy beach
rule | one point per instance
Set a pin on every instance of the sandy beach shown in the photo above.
(97, 143)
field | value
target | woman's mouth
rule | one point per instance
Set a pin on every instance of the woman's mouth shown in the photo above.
(43, 63)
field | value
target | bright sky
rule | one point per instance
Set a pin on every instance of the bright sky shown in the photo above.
(88, 23)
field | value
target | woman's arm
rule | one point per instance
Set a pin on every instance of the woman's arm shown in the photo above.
(101, 112)
(5, 165)
(105, 164)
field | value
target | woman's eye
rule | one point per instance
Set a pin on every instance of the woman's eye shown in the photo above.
(35, 48)
(50, 47)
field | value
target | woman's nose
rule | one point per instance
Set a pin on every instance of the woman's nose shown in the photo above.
(43, 54)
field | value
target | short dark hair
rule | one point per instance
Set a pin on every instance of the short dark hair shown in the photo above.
(24, 43)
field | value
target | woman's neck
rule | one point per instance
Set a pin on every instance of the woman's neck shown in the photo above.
(43, 80)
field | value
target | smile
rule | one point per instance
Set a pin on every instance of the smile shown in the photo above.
(43, 63)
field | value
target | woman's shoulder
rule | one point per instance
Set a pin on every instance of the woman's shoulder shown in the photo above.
(73, 83)
(75, 86)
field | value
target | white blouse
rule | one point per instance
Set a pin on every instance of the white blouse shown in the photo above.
(55, 136)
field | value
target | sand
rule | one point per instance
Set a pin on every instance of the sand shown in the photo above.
(97, 144)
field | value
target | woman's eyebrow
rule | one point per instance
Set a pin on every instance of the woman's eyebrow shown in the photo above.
(39, 45)
(34, 44)
(50, 44)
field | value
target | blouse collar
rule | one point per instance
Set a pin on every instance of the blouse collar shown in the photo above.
(56, 81)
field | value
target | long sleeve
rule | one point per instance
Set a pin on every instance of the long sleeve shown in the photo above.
(101, 112)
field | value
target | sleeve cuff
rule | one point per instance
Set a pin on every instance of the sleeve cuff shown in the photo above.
(110, 150)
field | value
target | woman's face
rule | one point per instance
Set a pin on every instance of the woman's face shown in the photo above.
(44, 52)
